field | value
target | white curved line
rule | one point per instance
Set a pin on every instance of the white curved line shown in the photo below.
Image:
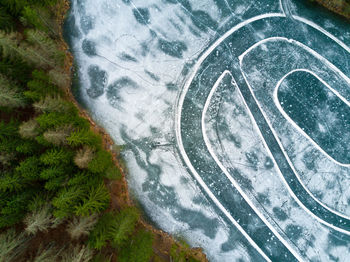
(178, 125)
(318, 56)
(292, 122)
(291, 164)
(292, 167)
(212, 196)
(276, 100)
(227, 174)
(182, 97)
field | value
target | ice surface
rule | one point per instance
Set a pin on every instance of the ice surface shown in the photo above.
(234, 115)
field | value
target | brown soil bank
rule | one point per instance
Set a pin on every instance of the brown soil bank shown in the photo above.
(164, 244)
(341, 7)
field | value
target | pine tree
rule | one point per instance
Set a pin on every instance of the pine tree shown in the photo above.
(39, 220)
(6, 20)
(126, 223)
(29, 168)
(51, 104)
(138, 249)
(29, 129)
(59, 78)
(10, 95)
(81, 226)
(46, 45)
(96, 200)
(10, 243)
(83, 157)
(101, 162)
(84, 137)
(65, 201)
(56, 157)
(58, 136)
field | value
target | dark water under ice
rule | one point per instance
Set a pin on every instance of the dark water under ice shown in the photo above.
(234, 115)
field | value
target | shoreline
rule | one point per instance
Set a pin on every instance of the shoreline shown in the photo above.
(335, 7)
(119, 190)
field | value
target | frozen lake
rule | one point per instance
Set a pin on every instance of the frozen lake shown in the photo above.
(235, 116)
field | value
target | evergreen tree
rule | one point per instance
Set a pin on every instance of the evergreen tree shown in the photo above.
(29, 129)
(6, 20)
(66, 200)
(84, 137)
(96, 200)
(51, 104)
(83, 157)
(58, 136)
(126, 223)
(10, 95)
(56, 157)
(138, 249)
(101, 162)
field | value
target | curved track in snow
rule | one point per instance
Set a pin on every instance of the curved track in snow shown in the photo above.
(200, 158)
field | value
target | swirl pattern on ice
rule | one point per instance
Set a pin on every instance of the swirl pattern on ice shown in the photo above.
(235, 117)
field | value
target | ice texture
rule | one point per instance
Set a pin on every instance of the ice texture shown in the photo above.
(234, 116)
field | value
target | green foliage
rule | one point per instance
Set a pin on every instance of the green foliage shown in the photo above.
(55, 183)
(114, 227)
(100, 234)
(13, 207)
(113, 173)
(125, 224)
(10, 94)
(138, 249)
(6, 20)
(47, 48)
(66, 200)
(56, 157)
(28, 147)
(30, 16)
(29, 168)
(95, 200)
(16, 70)
(84, 137)
(100, 162)
(55, 120)
(52, 172)
(11, 182)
